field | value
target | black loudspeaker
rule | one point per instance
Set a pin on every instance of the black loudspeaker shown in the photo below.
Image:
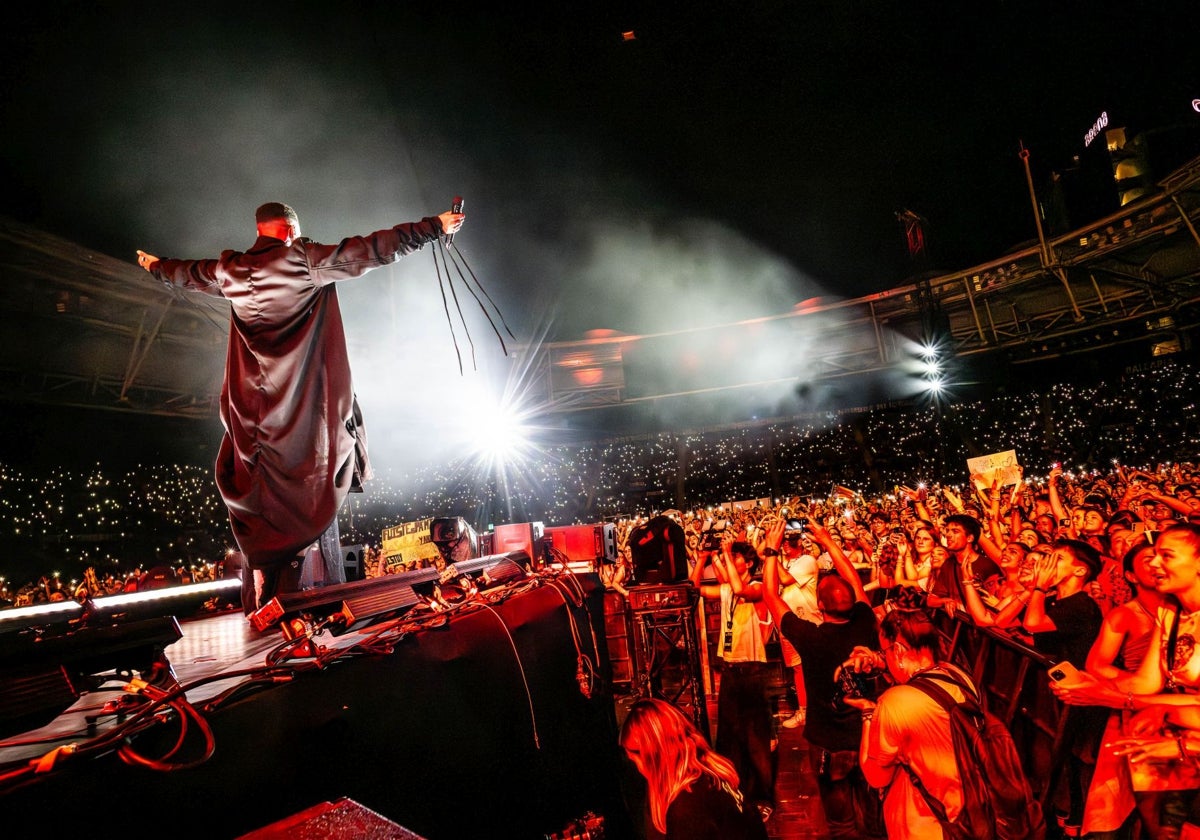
(313, 573)
(659, 551)
(352, 561)
(608, 539)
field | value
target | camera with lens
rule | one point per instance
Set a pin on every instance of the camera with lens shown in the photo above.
(711, 539)
(858, 684)
(852, 683)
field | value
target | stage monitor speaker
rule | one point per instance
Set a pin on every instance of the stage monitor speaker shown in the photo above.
(352, 561)
(528, 537)
(45, 672)
(659, 551)
(577, 543)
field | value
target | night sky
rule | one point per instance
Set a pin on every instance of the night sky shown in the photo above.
(727, 162)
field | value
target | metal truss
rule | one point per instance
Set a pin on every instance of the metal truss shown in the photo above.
(1130, 277)
(87, 330)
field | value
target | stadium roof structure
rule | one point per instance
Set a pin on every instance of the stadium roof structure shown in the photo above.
(87, 330)
(1131, 277)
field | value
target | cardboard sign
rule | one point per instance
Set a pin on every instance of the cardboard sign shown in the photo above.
(1001, 469)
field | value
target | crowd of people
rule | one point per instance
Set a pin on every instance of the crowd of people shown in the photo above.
(1091, 562)
(1098, 572)
(66, 519)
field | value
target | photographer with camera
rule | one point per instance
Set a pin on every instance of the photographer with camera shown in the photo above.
(833, 728)
(906, 727)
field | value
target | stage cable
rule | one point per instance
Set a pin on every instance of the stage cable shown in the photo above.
(537, 741)
(460, 262)
(453, 257)
(458, 306)
(446, 307)
(587, 674)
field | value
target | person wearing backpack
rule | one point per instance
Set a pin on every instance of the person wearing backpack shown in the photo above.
(917, 744)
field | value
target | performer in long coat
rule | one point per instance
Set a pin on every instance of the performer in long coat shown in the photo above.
(294, 443)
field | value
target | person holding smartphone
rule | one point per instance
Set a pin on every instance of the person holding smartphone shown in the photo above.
(1163, 692)
(834, 728)
(744, 723)
(798, 575)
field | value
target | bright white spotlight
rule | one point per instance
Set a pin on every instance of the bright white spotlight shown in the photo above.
(935, 385)
(499, 434)
(499, 437)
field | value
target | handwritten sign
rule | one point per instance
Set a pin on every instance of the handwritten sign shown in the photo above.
(1001, 469)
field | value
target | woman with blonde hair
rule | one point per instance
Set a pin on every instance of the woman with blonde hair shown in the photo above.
(692, 792)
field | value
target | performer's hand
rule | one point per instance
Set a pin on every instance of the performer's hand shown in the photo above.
(147, 261)
(451, 222)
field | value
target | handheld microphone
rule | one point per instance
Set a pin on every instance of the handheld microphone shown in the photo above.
(456, 206)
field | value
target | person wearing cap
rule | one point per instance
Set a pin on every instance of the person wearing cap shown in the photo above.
(1160, 510)
(294, 443)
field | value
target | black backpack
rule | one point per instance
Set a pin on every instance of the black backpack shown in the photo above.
(998, 803)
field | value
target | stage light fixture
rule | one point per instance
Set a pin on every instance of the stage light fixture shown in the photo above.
(158, 600)
(16, 618)
(348, 606)
(171, 600)
(360, 610)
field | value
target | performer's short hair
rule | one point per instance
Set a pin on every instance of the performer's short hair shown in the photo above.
(274, 210)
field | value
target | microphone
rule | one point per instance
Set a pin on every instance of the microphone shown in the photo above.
(456, 206)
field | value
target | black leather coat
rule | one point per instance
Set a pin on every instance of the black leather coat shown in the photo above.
(294, 443)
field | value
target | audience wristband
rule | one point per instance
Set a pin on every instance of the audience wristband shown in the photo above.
(770, 552)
